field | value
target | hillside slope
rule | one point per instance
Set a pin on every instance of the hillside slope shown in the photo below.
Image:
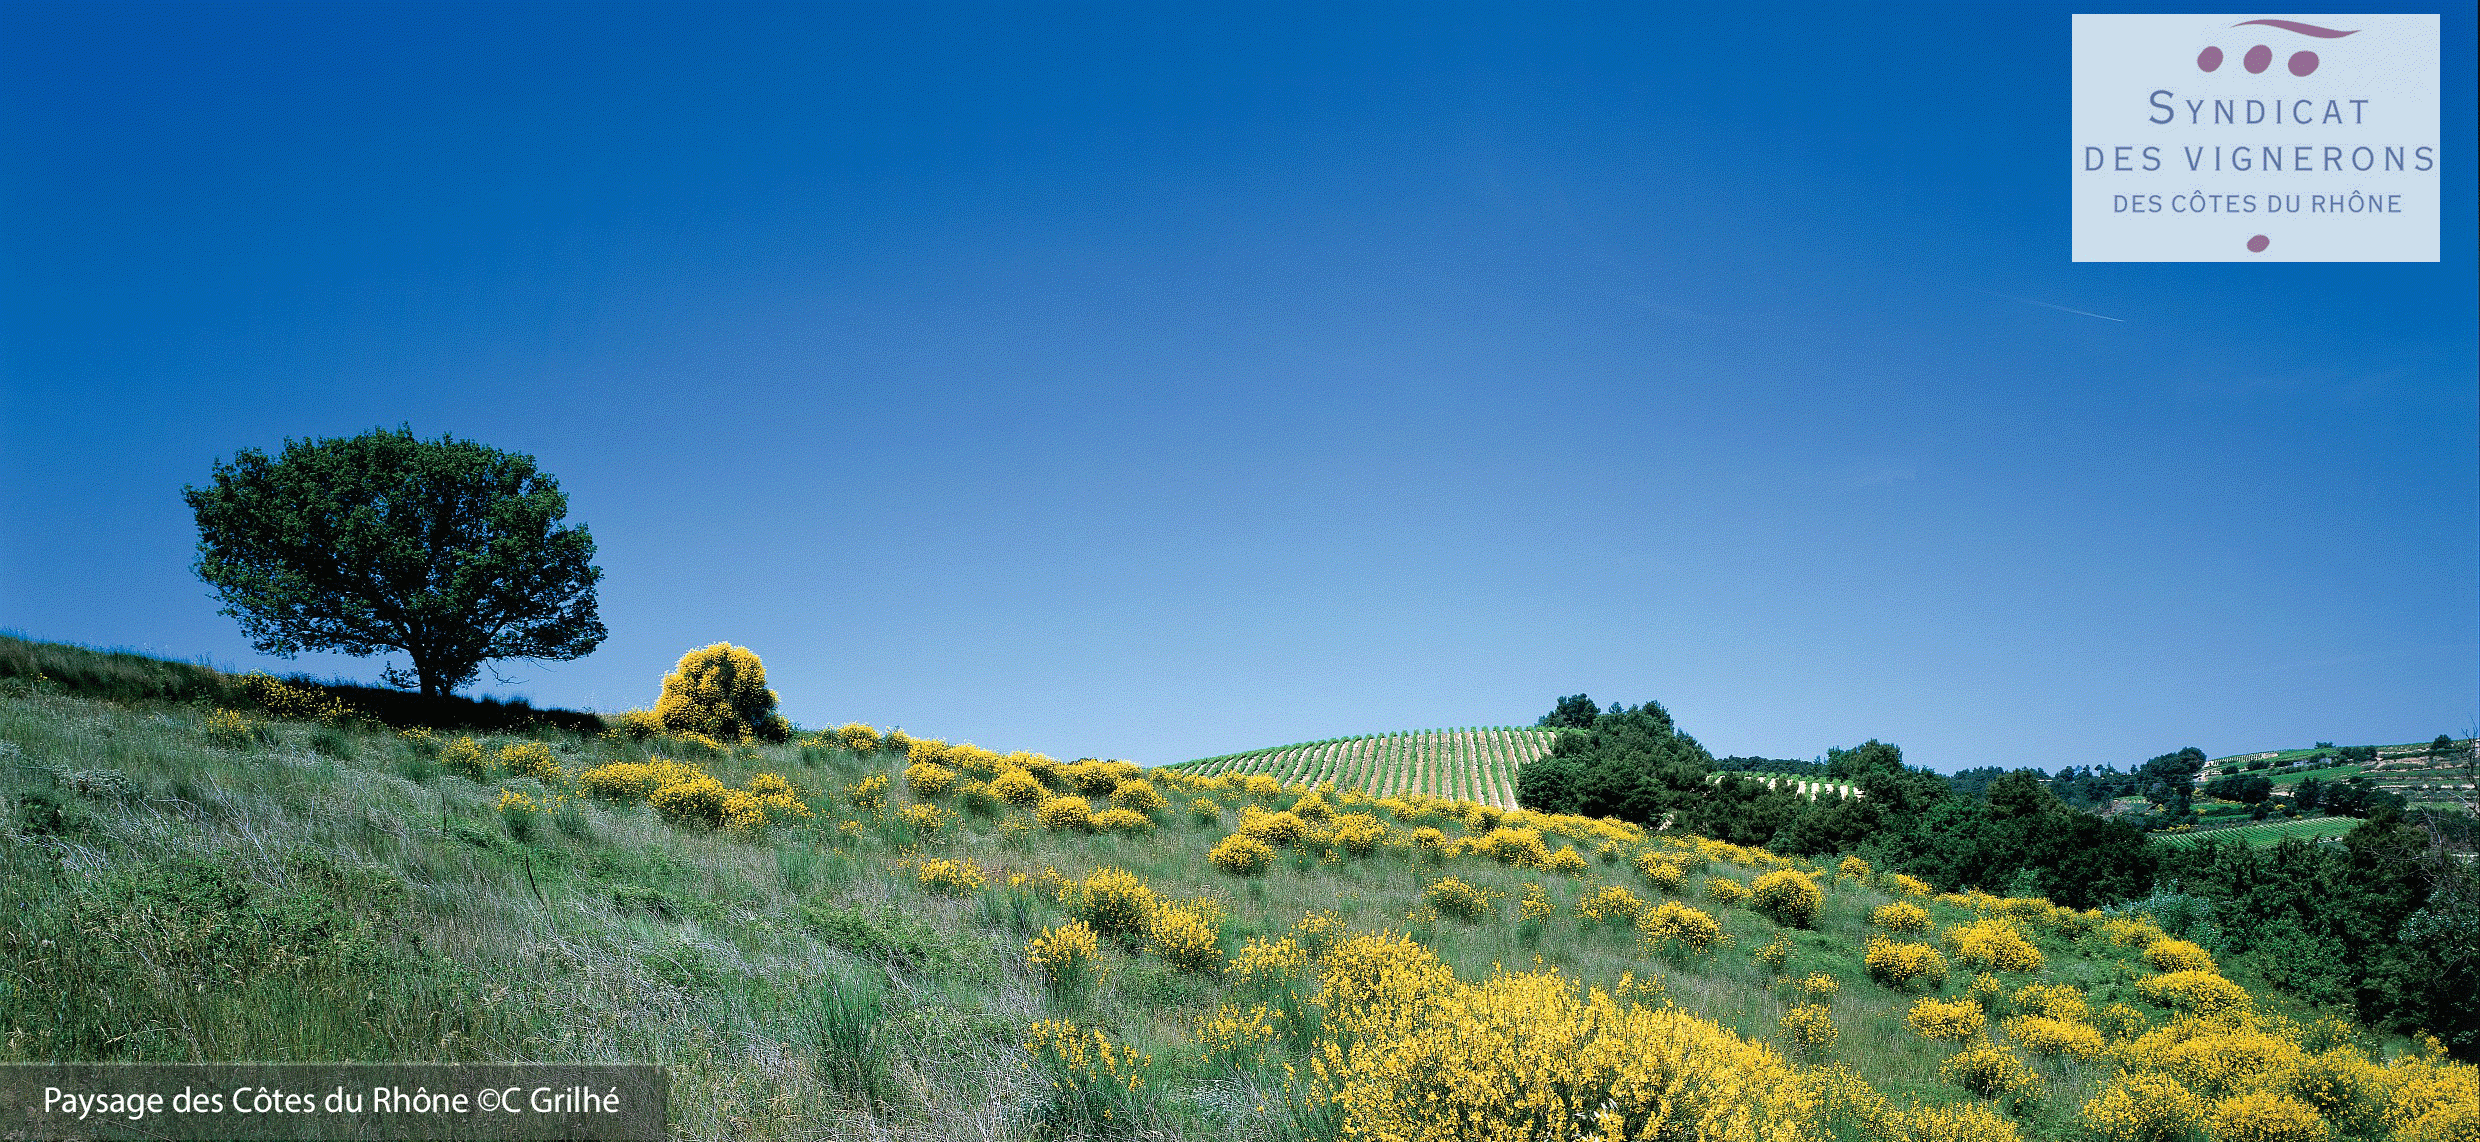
(1473, 763)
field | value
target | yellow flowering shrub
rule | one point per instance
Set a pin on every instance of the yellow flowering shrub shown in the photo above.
(1787, 897)
(1900, 916)
(1774, 956)
(1611, 903)
(950, 877)
(1664, 870)
(2120, 1021)
(1819, 988)
(464, 757)
(1064, 814)
(1429, 841)
(926, 820)
(2142, 1106)
(2214, 1057)
(2055, 1038)
(1897, 965)
(749, 812)
(1969, 1122)
(1312, 807)
(929, 779)
(1318, 931)
(1237, 1039)
(1241, 855)
(698, 800)
(227, 728)
(1277, 829)
(1911, 885)
(1855, 868)
(1017, 787)
(1809, 1027)
(1517, 848)
(1993, 1073)
(868, 794)
(2138, 932)
(1115, 901)
(1359, 834)
(1138, 795)
(1453, 897)
(1675, 928)
(1524, 1055)
(1986, 991)
(972, 761)
(1535, 908)
(1262, 965)
(511, 801)
(1260, 785)
(1095, 1082)
(2050, 1000)
(930, 750)
(1205, 811)
(2264, 1116)
(297, 701)
(2343, 1084)
(1122, 821)
(532, 759)
(1992, 943)
(1186, 936)
(2195, 992)
(2169, 955)
(1566, 861)
(1946, 1020)
(1724, 890)
(635, 780)
(720, 691)
(858, 738)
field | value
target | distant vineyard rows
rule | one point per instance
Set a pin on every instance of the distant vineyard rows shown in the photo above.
(1474, 763)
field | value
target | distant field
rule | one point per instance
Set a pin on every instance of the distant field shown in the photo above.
(1473, 763)
(1808, 787)
(2268, 832)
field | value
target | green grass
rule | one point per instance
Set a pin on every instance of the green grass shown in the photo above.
(306, 891)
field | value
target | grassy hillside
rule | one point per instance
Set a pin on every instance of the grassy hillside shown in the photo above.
(832, 942)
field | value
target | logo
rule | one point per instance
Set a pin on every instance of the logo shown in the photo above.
(2255, 138)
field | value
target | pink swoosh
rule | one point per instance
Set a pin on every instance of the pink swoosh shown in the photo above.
(2302, 29)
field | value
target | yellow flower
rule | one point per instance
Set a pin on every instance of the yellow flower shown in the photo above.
(1946, 1020)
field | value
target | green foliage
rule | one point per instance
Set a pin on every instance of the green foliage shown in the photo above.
(448, 551)
(720, 691)
(1632, 764)
(1574, 712)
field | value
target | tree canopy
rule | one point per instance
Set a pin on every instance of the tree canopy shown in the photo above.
(1629, 762)
(446, 550)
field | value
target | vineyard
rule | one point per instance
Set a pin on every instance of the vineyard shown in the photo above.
(1472, 764)
(1806, 787)
(2265, 833)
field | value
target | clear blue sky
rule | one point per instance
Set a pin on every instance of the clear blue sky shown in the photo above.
(1168, 380)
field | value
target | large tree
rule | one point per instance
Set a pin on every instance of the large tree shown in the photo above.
(1631, 763)
(446, 550)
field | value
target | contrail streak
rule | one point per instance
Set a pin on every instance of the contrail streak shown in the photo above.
(2061, 308)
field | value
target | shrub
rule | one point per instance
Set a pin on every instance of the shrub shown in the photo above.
(1241, 855)
(976, 798)
(1946, 1020)
(720, 691)
(1519, 848)
(1986, 991)
(1064, 955)
(858, 738)
(696, 801)
(1992, 943)
(1018, 787)
(635, 725)
(1912, 886)
(1675, 928)
(1992, 1072)
(1064, 814)
(1122, 821)
(951, 877)
(1261, 966)
(2265, 1116)
(2143, 1107)
(1855, 868)
(1969, 1122)
(518, 811)
(1318, 932)
(1774, 956)
(2052, 1038)
(932, 750)
(1277, 829)
(2120, 1021)
(1819, 988)
(1664, 870)
(2194, 992)
(868, 794)
(1724, 890)
(228, 729)
(1787, 897)
(2050, 1000)
(1359, 834)
(1900, 916)
(972, 760)
(924, 819)
(929, 779)
(635, 780)
(532, 759)
(1185, 936)
(1312, 807)
(1205, 811)
(464, 758)
(1429, 841)
(1453, 897)
(1235, 1039)
(1260, 785)
(1611, 903)
(2177, 955)
(1897, 965)
(1114, 901)
(1535, 908)
(1138, 794)
(1809, 1027)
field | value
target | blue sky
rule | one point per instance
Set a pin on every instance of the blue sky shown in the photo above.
(1162, 381)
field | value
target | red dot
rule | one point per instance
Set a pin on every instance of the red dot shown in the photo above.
(2208, 59)
(2258, 59)
(2302, 63)
(2257, 244)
